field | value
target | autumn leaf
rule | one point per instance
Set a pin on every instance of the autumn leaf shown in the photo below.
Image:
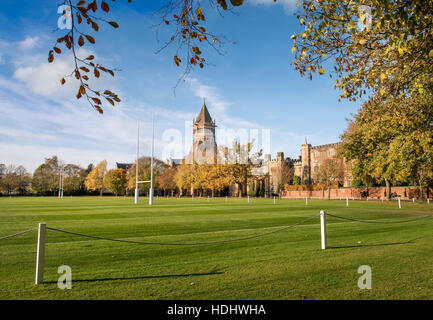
(105, 6)
(81, 41)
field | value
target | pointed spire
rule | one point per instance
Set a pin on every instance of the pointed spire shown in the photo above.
(204, 115)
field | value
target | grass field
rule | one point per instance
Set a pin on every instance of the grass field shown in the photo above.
(285, 265)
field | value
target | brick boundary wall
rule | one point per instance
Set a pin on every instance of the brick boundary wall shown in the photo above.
(374, 193)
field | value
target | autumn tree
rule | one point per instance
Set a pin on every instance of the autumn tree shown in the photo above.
(167, 180)
(46, 177)
(283, 175)
(74, 179)
(95, 179)
(144, 172)
(14, 179)
(241, 159)
(185, 177)
(378, 47)
(392, 140)
(115, 181)
(330, 173)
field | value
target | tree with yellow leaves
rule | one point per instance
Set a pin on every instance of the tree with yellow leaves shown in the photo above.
(95, 179)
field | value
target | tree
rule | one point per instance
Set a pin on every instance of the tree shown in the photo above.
(297, 181)
(74, 178)
(95, 179)
(241, 161)
(144, 170)
(390, 50)
(331, 172)
(283, 175)
(46, 177)
(392, 139)
(14, 179)
(115, 181)
(185, 177)
(167, 179)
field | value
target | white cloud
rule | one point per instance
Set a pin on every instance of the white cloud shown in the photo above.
(43, 78)
(28, 43)
(289, 5)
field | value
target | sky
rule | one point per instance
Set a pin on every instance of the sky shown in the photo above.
(252, 87)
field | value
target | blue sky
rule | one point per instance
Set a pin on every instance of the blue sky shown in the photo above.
(252, 86)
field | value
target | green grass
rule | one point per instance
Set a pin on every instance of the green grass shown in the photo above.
(285, 265)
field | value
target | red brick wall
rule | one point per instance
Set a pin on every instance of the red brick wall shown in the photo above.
(405, 193)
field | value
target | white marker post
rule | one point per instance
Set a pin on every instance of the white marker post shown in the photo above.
(323, 228)
(399, 202)
(347, 201)
(306, 201)
(428, 201)
(151, 161)
(136, 163)
(227, 199)
(248, 199)
(40, 255)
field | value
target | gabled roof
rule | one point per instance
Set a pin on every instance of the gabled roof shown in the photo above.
(204, 116)
(124, 166)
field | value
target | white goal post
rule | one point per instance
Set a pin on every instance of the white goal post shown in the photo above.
(151, 164)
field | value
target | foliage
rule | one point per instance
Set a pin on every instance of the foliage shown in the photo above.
(46, 178)
(95, 179)
(167, 178)
(392, 139)
(389, 52)
(115, 181)
(144, 172)
(330, 173)
(297, 180)
(14, 179)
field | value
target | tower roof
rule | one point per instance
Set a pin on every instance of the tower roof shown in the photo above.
(204, 116)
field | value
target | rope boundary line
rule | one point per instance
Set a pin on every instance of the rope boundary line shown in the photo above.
(187, 244)
(18, 234)
(377, 221)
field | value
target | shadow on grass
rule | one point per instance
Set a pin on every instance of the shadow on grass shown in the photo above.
(375, 245)
(144, 277)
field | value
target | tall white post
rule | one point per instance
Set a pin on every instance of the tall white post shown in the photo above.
(151, 162)
(323, 228)
(40, 255)
(227, 198)
(306, 201)
(428, 201)
(347, 201)
(399, 202)
(136, 163)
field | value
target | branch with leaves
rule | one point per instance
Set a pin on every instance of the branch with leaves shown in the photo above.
(84, 68)
(189, 34)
